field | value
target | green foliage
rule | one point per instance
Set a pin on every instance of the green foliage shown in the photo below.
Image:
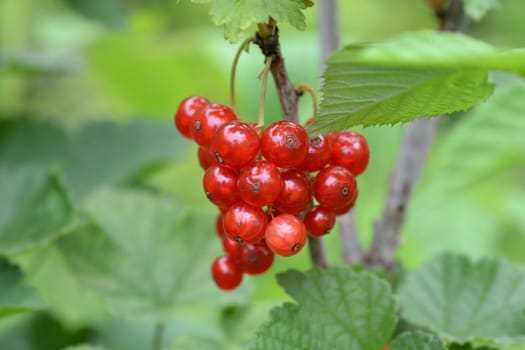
(477, 9)
(487, 140)
(416, 341)
(412, 76)
(465, 301)
(83, 347)
(146, 260)
(239, 16)
(15, 297)
(337, 308)
(35, 208)
(109, 12)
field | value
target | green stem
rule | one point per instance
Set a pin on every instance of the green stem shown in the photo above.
(302, 87)
(158, 334)
(241, 48)
(264, 77)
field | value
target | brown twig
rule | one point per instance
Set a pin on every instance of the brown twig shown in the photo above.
(411, 159)
(267, 38)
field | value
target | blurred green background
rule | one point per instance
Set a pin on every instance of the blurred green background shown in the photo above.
(73, 62)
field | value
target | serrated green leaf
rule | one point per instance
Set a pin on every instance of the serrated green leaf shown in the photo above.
(488, 139)
(412, 76)
(338, 309)
(145, 256)
(237, 16)
(464, 301)
(477, 9)
(416, 341)
(35, 208)
(15, 297)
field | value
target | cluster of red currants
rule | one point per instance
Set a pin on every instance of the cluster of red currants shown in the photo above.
(264, 184)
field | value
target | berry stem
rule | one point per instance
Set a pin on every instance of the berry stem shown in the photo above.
(301, 88)
(243, 47)
(264, 78)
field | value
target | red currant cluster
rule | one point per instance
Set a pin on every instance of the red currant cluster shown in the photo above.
(264, 184)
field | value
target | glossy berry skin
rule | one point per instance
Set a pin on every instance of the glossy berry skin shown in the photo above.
(259, 183)
(286, 235)
(255, 259)
(295, 194)
(230, 247)
(220, 185)
(319, 154)
(244, 223)
(235, 144)
(319, 221)
(206, 158)
(184, 114)
(346, 208)
(335, 187)
(219, 225)
(226, 273)
(350, 150)
(207, 120)
(285, 144)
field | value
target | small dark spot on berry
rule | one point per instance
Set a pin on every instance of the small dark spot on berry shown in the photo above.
(197, 125)
(255, 187)
(252, 258)
(296, 247)
(238, 239)
(291, 140)
(345, 191)
(208, 194)
(327, 231)
(316, 141)
(219, 157)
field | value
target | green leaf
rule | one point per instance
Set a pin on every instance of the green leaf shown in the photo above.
(15, 297)
(416, 341)
(109, 12)
(238, 16)
(477, 9)
(146, 256)
(83, 347)
(412, 76)
(338, 309)
(35, 208)
(487, 140)
(464, 301)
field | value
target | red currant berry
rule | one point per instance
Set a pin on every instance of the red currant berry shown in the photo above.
(319, 221)
(286, 235)
(226, 273)
(295, 194)
(350, 150)
(319, 154)
(285, 144)
(219, 225)
(235, 144)
(206, 158)
(346, 208)
(244, 223)
(259, 183)
(230, 247)
(220, 185)
(255, 259)
(335, 187)
(185, 113)
(207, 120)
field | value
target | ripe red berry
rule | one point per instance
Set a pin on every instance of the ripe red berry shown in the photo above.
(220, 185)
(346, 208)
(184, 114)
(244, 223)
(207, 120)
(319, 221)
(206, 158)
(319, 154)
(285, 144)
(335, 187)
(255, 259)
(259, 183)
(230, 247)
(219, 225)
(295, 194)
(226, 273)
(235, 144)
(350, 150)
(286, 235)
